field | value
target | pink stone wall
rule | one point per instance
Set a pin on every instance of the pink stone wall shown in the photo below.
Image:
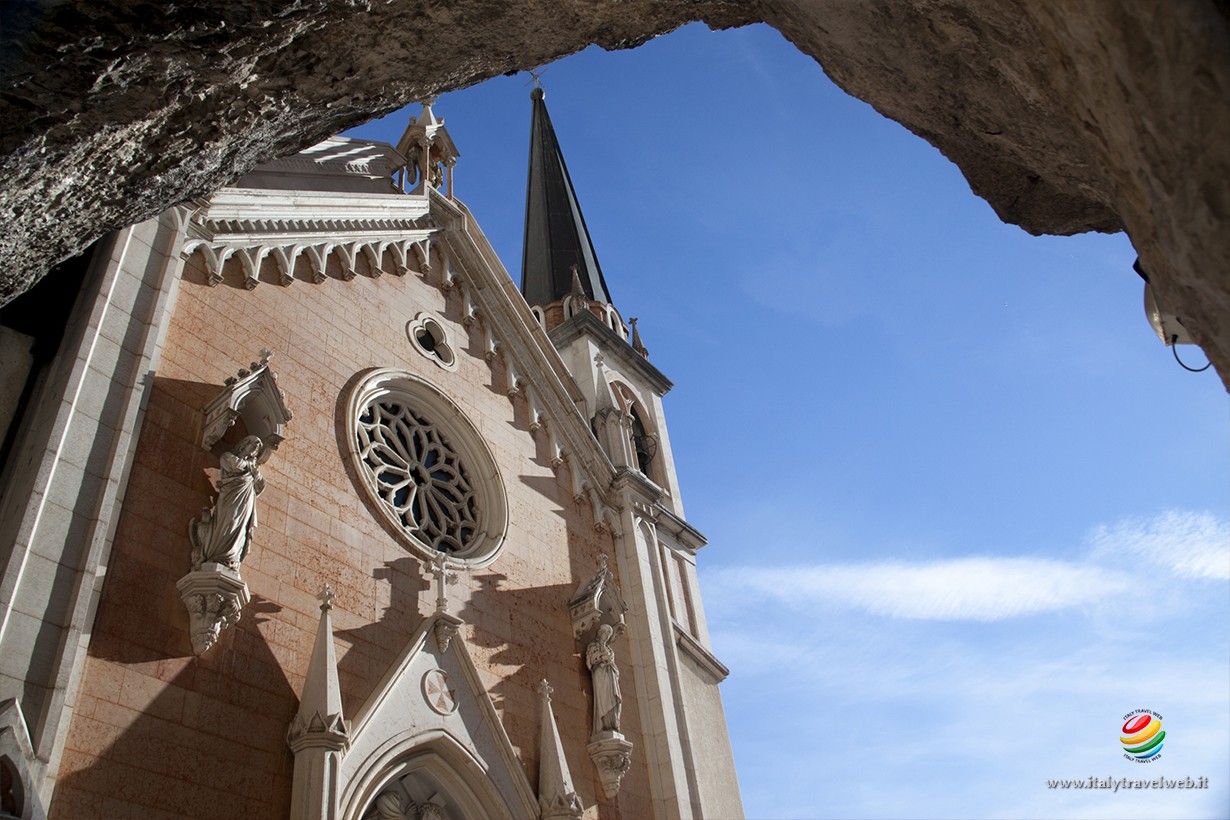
(159, 732)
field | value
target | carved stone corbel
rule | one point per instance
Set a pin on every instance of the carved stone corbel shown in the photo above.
(446, 629)
(215, 596)
(447, 624)
(612, 757)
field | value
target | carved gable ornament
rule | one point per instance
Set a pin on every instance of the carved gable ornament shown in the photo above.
(253, 396)
(597, 601)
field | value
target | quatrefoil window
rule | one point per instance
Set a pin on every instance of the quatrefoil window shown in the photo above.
(432, 340)
(426, 468)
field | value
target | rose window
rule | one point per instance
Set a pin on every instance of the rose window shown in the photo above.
(419, 475)
(426, 469)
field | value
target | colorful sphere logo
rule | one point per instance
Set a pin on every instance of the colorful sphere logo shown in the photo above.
(1142, 736)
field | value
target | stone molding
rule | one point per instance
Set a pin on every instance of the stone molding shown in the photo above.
(254, 224)
(611, 344)
(684, 534)
(703, 657)
(531, 358)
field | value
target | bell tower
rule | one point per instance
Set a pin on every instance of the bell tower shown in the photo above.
(563, 283)
(675, 672)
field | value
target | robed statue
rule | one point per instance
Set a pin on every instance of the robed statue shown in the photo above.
(223, 534)
(608, 703)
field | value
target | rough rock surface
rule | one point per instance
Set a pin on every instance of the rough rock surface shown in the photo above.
(1065, 115)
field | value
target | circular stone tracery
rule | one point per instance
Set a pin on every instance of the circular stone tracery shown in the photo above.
(426, 468)
(419, 475)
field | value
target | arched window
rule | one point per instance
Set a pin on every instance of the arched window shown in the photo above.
(11, 797)
(436, 779)
(644, 443)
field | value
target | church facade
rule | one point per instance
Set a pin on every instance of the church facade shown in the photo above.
(308, 512)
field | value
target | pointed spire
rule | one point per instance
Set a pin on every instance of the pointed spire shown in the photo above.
(637, 344)
(318, 734)
(322, 696)
(577, 292)
(604, 400)
(557, 799)
(556, 238)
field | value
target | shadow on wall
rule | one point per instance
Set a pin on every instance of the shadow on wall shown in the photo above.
(375, 647)
(159, 731)
(200, 737)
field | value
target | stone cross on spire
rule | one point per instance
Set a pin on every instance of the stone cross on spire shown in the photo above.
(326, 596)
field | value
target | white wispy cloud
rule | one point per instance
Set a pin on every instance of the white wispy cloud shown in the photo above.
(1189, 544)
(935, 694)
(983, 589)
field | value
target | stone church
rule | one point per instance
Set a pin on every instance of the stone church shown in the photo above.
(309, 512)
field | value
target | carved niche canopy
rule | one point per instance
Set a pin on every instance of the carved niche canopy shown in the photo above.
(253, 396)
(597, 601)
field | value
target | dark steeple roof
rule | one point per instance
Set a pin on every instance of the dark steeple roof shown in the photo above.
(556, 238)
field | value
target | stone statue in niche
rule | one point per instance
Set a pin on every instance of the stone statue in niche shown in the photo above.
(598, 603)
(608, 703)
(388, 807)
(392, 805)
(223, 534)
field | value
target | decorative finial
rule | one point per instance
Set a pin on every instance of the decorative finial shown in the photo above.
(602, 559)
(578, 291)
(326, 597)
(637, 344)
(545, 689)
(536, 78)
(599, 362)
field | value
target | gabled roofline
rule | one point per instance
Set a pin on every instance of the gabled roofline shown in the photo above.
(557, 394)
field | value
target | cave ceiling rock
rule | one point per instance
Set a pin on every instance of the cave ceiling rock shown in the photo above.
(1065, 116)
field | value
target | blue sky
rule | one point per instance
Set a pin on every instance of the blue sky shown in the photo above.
(965, 511)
